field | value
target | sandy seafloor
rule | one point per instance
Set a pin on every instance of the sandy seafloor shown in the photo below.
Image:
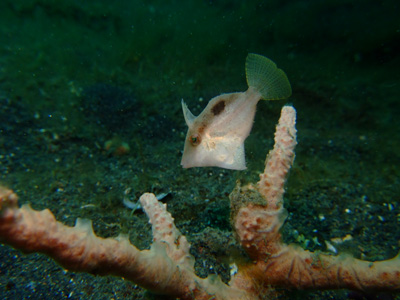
(75, 75)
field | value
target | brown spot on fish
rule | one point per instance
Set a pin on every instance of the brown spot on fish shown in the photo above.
(218, 108)
(201, 129)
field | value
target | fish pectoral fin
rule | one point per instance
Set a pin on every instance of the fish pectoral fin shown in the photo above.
(189, 117)
(240, 160)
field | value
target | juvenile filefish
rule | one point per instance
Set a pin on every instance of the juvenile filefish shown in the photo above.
(216, 137)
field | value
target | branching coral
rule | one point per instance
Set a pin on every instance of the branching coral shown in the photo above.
(167, 267)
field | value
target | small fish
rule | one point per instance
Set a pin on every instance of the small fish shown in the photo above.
(216, 137)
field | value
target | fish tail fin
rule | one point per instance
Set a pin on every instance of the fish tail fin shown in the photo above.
(270, 81)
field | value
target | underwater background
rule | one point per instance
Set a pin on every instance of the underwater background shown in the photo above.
(90, 96)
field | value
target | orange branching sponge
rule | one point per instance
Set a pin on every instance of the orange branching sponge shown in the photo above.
(279, 160)
(176, 248)
(277, 264)
(257, 224)
(168, 268)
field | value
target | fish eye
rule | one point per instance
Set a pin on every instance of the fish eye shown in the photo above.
(195, 139)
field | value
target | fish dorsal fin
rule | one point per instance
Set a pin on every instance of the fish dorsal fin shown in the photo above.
(189, 117)
(263, 75)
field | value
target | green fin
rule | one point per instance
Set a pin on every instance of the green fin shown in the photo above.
(263, 74)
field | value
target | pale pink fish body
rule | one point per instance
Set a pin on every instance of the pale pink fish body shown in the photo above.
(216, 137)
